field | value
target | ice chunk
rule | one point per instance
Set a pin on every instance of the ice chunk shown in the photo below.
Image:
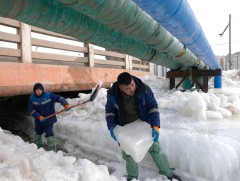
(92, 172)
(135, 138)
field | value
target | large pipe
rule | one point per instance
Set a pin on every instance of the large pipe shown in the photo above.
(54, 16)
(125, 16)
(178, 18)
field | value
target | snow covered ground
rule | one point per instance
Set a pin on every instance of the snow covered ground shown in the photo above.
(200, 134)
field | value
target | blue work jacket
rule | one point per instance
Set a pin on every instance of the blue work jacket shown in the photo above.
(44, 106)
(147, 104)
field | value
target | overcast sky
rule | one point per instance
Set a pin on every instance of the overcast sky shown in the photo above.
(213, 16)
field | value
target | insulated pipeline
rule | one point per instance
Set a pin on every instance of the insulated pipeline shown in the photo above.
(126, 17)
(178, 18)
(54, 16)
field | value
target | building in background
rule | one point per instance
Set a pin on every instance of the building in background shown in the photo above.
(160, 71)
(235, 60)
(223, 62)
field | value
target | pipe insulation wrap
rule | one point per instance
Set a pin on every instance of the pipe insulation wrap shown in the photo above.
(178, 18)
(125, 16)
(54, 16)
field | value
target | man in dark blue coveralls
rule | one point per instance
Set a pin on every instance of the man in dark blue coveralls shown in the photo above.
(130, 99)
(41, 105)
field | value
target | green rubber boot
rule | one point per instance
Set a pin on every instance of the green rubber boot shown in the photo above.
(51, 143)
(131, 166)
(160, 160)
(38, 140)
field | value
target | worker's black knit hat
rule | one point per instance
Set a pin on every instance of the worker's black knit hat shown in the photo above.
(38, 86)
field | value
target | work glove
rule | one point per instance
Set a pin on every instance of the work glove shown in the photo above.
(66, 107)
(155, 133)
(112, 133)
(41, 118)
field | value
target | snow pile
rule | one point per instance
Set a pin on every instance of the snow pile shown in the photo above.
(20, 161)
(231, 78)
(200, 135)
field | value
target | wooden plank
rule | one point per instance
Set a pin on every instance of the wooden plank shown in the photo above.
(108, 53)
(45, 32)
(136, 59)
(140, 66)
(130, 62)
(109, 62)
(48, 56)
(179, 82)
(127, 62)
(10, 52)
(177, 73)
(26, 46)
(90, 55)
(60, 46)
(199, 85)
(151, 68)
(9, 37)
(172, 83)
(141, 62)
(9, 22)
(205, 82)
(16, 24)
(196, 72)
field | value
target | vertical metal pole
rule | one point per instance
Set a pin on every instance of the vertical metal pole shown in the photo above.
(230, 56)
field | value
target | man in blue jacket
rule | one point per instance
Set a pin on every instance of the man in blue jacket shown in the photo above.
(41, 105)
(130, 99)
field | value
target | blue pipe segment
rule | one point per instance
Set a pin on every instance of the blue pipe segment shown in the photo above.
(178, 18)
(218, 82)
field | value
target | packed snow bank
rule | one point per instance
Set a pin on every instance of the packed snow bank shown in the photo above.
(21, 161)
(200, 149)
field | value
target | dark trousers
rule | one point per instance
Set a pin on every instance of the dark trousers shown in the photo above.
(44, 127)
